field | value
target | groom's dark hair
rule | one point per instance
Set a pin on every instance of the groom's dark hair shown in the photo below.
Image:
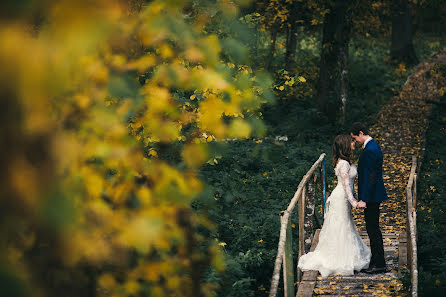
(357, 127)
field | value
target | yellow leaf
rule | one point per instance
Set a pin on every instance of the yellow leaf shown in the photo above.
(302, 79)
(142, 63)
(193, 54)
(261, 240)
(82, 101)
(94, 184)
(107, 281)
(152, 153)
(144, 195)
(239, 129)
(222, 244)
(281, 88)
(141, 232)
(165, 51)
(194, 154)
(132, 287)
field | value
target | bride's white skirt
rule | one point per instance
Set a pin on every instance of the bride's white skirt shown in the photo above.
(340, 249)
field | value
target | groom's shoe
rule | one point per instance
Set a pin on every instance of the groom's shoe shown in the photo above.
(375, 269)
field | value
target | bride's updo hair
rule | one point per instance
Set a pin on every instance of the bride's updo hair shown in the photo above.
(342, 148)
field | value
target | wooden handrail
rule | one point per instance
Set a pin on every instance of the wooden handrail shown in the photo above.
(283, 227)
(412, 227)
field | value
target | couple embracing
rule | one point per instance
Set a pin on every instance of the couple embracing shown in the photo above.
(340, 249)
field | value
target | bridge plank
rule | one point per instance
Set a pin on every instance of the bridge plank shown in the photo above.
(360, 284)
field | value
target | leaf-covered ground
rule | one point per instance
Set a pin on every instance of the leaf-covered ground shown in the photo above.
(400, 132)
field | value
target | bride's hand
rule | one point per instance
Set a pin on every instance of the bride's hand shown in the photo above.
(361, 205)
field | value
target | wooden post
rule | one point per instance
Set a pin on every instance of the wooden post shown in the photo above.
(411, 227)
(413, 263)
(414, 194)
(324, 187)
(306, 216)
(402, 252)
(306, 287)
(301, 209)
(408, 223)
(288, 269)
(309, 215)
(409, 242)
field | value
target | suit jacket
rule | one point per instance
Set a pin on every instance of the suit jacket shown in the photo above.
(370, 174)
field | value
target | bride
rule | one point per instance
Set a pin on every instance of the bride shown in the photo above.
(340, 249)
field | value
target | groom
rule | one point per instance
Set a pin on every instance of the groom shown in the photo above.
(371, 193)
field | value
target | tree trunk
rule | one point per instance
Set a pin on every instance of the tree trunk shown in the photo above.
(272, 48)
(336, 35)
(291, 43)
(255, 50)
(344, 81)
(402, 50)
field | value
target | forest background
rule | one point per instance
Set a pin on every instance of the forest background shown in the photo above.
(149, 146)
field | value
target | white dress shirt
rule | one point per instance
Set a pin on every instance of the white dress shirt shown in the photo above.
(367, 141)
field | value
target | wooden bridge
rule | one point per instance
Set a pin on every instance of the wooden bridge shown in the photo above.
(399, 247)
(400, 128)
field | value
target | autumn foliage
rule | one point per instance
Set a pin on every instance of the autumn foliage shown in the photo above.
(91, 95)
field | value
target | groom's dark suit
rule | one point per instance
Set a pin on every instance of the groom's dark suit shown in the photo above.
(371, 190)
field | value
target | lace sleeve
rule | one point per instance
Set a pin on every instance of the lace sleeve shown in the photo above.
(344, 169)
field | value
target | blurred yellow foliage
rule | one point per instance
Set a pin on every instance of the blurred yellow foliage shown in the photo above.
(91, 98)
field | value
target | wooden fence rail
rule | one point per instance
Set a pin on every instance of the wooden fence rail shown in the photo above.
(305, 196)
(411, 211)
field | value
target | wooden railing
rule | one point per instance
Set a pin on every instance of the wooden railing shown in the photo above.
(411, 226)
(305, 197)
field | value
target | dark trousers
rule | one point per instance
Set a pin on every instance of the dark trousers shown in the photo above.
(371, 214)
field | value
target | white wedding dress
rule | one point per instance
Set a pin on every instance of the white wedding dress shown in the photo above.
(340, 249)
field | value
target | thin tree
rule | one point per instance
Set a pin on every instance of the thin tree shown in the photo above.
(272, 47)
(332, 85)
(291, 43)
(402, 50)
